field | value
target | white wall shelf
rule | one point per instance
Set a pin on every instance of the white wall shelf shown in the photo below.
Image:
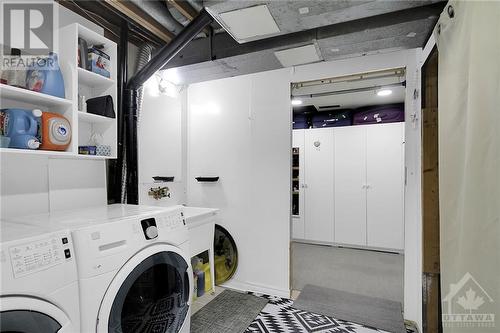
(90, 157)
(31, 97)
(94, 118)
(76, 81)
(88, 78)
(35, 152)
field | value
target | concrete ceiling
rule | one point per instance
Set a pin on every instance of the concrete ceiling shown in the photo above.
(340, 29)
(319, 12)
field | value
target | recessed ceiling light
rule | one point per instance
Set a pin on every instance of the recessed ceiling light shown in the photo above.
(384, 92)
(411, 34)
(335, 50)
(296, 102)
(303, 10)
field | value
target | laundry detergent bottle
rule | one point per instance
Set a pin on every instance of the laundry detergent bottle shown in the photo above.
(55, 131)
(21, 126)
(46, 77)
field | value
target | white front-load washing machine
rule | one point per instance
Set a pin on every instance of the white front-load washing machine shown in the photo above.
(39, 282)
(133, 266)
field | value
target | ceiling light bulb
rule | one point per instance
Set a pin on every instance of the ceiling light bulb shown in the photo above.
(384, 92)
(296, 102)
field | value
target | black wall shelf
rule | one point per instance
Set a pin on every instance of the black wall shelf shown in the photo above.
(207, 179)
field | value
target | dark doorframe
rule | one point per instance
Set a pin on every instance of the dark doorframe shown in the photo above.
(431, 290)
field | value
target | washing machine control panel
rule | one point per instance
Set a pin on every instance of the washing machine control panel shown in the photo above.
(40, 254)
(170, 221)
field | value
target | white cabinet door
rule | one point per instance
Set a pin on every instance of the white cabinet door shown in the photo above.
(385, 167)
(350, 185)
(319, 185)
(298, 181)
(298, 227)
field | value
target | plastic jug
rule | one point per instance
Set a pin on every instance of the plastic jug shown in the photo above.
(200, 283)
(46, 77)
(55, 132)
(21, 126)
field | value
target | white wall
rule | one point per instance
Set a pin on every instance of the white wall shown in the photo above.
(222, 129)
(160, 145)
(39, 184)
(240, 130)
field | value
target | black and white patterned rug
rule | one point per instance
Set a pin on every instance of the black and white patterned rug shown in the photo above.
(278, 316)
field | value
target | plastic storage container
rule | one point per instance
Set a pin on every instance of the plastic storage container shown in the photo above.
(300, 121)
(380, 114)
(332, 119)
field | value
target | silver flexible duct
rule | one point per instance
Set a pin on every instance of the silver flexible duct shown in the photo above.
(196, 4)
(143, 57)
(160, 13)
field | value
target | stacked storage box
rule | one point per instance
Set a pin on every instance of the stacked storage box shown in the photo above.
(300, 121)
(379, 114)
(332, 119)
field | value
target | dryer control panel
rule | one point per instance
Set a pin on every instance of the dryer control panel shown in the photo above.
(40, 254)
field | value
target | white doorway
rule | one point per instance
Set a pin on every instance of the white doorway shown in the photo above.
(348, 184)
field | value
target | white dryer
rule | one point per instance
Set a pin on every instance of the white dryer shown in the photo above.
(39, 289)
(133, 266)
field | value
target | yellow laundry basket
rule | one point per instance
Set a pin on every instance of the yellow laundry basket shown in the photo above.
(208, 277)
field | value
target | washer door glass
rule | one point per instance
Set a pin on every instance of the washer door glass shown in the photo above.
(25, 321)
(154, 296)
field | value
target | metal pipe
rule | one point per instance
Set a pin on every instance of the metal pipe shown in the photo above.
(164, 55)
(353, 90)
(115, 167)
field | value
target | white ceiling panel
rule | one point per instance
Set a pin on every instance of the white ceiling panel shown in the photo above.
(298, 55)
(249, 23)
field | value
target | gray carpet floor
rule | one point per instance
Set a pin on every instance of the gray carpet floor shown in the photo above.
(363, 272)
(371, 311)
(229, 312)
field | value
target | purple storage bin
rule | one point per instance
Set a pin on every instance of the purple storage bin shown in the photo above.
(300, 125)
(380, 114)
(329, 119)
(300, 121)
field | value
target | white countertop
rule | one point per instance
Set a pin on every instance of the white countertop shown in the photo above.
(198, 215)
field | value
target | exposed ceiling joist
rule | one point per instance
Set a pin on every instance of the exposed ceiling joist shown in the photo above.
(141, 18)
(184, 8)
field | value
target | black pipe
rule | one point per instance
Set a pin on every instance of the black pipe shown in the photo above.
(165, 54)
(169, 51)
(115, 166)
